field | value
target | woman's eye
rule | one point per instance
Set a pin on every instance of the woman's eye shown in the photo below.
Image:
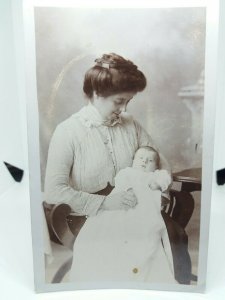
(118, 102)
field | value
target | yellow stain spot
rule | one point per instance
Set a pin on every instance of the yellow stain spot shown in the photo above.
(135, 270)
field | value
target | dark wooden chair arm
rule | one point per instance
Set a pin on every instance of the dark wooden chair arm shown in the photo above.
(58, 226)
(63, 229)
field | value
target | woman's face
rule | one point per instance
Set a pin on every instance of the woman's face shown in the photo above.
(111, 107)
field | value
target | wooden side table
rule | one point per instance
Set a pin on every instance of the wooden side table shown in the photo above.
(182, 203)
(190, 179)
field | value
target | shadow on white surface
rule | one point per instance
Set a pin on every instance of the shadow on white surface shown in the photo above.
(6, 180)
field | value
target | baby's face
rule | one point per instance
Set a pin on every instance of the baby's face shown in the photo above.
(145, 160)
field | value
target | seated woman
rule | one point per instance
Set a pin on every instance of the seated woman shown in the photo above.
(128, 245)
(88, 150)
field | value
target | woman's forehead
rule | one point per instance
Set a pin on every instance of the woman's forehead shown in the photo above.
(124, 95)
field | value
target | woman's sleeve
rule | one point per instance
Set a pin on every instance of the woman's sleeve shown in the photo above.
(122, 180)
(144, 139)
(57, 178)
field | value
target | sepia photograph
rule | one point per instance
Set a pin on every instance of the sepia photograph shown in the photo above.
(120, 100)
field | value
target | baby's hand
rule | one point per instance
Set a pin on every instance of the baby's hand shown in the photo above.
(154, 186)
(163, 179)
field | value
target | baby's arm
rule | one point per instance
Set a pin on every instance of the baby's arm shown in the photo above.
(161, 180)
(154, 185)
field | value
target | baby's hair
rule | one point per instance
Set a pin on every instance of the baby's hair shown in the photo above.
(151, 149)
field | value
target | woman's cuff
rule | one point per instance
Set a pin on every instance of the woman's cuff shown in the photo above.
(101, 206)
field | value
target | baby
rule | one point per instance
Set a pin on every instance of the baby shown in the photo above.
(130, 245)
(147, 160)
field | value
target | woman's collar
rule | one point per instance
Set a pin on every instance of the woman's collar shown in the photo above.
(91, 117)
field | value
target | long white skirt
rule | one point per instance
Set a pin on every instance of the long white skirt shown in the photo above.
(124, 246)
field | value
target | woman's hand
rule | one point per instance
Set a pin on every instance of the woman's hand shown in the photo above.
(120, 201)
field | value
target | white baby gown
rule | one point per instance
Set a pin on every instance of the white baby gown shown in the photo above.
(130, 245)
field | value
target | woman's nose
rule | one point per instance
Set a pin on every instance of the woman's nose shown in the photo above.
(123, 108)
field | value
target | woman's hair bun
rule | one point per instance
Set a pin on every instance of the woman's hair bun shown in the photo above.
(115, 61)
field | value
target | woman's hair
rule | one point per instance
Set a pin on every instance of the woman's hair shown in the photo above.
(113, 74)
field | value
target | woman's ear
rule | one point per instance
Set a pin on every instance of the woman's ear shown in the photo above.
(95, 96)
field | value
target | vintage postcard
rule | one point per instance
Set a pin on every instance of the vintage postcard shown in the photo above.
(121, 119)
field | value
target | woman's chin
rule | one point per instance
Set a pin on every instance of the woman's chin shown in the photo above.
(115, 116)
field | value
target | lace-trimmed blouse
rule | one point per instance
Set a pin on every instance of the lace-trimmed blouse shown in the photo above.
(85, 154)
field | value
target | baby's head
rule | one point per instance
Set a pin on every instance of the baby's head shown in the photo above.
(146, 159)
